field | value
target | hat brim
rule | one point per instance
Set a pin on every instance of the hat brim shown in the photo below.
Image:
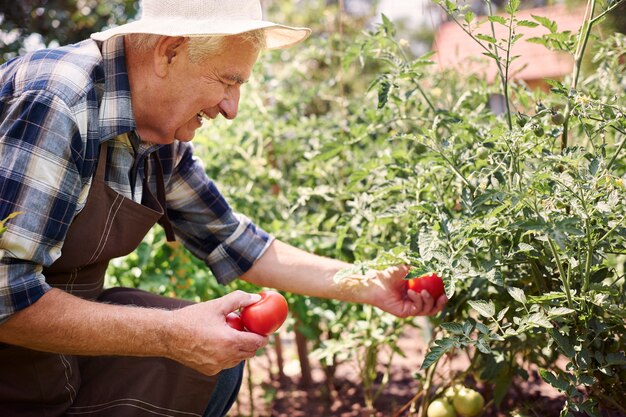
(276, 36)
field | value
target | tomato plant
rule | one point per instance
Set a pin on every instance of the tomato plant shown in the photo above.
(266, 315)
(522, 212)
(431, 283)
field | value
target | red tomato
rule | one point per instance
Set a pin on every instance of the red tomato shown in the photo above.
(234, 321)
(431, 283)
(267, 315)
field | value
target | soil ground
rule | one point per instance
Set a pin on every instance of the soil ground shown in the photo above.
(263, 395)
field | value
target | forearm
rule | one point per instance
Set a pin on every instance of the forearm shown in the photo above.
(62, 323)
(287, 268)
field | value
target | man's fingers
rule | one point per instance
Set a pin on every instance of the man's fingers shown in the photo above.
(250, 342)
(417, 300)
(429, 302)
(441, 303)
(399, 270)
(236, 300)
(425, 304)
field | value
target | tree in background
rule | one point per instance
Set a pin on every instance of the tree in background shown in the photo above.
(56, 22)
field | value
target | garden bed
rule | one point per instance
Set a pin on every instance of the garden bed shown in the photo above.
(287, 398)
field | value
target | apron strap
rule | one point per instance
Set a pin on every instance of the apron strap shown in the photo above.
(102, 161)
(164, 221)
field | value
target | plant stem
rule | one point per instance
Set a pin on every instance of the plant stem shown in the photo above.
(430, 104)
(611, 230)
(504, 78)
(562, 273)
(456, 170)
(495, 48)
(583, 38)
(408, 404)
(617, 152)
(385, 379)
(429, 380)
(588, 258)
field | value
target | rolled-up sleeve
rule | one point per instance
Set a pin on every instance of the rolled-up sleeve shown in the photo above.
(227, 241)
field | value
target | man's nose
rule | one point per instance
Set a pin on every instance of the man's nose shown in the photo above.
(230, 105)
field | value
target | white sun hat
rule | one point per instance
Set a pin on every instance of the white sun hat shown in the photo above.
(206, 18)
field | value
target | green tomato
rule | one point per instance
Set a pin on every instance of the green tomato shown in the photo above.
(440, 408)
(557, 118)
(468, 403)
(521, 119)
(451, 392)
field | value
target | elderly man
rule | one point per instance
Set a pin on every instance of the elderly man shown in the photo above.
(94, 150)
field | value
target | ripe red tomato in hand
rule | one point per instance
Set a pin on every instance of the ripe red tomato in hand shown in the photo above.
(267, 315)
(234, 321)
(431, 283)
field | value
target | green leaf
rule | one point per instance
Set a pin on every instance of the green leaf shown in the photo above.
(517, 294)
(502, 313)
(563, 342)
(594, 165)
(527, 23)
(587, 380)
(388, 25)
(617, 358)
(540, 319)
(383, 92)
(497, 19)
(483, 346)
(557, 382)
(525, 247)
(450, 6)
(491, 55)
(436, 352)
(469, 16)
(482, 328)
(484, 308)
(513, 6)
(545, 22)
(538, 40)
(495, 277)
(454, 328)
(468, 326)
(514, 39)
(486, 38)
(560, 311)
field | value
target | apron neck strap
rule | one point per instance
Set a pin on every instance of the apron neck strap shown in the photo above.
(164, 221)
(102, 161)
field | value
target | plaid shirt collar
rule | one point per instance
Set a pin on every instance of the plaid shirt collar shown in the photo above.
(116, 111)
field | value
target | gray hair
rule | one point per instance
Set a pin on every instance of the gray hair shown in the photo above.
(200, 48)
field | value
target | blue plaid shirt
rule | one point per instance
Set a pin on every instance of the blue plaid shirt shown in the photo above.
(56, 107)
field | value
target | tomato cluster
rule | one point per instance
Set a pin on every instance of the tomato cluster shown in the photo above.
(457, 401)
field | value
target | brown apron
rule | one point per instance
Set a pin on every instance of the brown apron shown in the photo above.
(40, 384)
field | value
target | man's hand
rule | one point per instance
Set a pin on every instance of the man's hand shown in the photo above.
(199, 337)
(387, 290)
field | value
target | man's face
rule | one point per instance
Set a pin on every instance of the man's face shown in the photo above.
(193, 90)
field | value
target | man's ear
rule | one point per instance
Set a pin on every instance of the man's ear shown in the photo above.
(165, 52)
